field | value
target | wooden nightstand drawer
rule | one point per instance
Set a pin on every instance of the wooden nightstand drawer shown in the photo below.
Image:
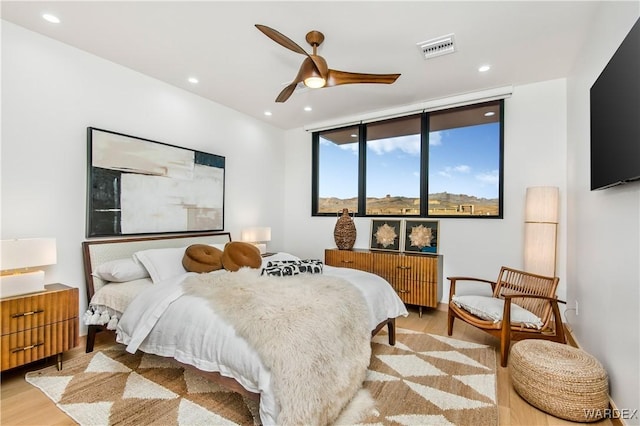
(34, 310)
(37, 343)
(39, 325)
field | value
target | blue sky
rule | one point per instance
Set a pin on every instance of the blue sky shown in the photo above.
(463, 160)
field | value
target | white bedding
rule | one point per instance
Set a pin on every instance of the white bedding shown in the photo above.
(164, 321)
(108, 303)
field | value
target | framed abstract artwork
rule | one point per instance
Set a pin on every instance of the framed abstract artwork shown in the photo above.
(385, 234)
(138, 186)
(421, 236)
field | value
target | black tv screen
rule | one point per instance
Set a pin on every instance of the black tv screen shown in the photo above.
(615, 117)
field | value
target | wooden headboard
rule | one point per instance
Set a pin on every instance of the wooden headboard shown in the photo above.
(100, 251)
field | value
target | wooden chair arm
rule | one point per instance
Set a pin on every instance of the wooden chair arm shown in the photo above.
(452, 286)
(506, 314)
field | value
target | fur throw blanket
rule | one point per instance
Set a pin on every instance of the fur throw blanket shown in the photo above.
(311, 332)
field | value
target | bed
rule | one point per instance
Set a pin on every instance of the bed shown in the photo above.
(163, 310)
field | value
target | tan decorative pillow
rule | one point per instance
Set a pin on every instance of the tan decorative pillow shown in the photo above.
(238, 254)
(202, 258)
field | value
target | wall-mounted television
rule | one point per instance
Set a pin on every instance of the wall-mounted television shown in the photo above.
(615, 117)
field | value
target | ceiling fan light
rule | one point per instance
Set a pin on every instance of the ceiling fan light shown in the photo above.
(314, 82)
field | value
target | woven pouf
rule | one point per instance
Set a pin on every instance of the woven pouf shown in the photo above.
(559, 379)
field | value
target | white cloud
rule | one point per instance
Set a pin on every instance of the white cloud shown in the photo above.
(450, 171)
(348, 146)
(408, 144)
(435, 138)
(488, 178)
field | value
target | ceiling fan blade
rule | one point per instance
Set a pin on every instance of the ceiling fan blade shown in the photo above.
(335, 78)
(287, 92)
(281, 39)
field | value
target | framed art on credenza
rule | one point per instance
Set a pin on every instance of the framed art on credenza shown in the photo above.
(421, 236)
(385, 234)
(138, 186)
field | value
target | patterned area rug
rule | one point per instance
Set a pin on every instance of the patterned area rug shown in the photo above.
(424, 380)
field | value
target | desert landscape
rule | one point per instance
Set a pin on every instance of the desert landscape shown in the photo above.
(443, 203)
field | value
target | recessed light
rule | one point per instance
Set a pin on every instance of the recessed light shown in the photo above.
(308, 108)
(193, 80)
(51, 18)
(489, 114)
(484, 68)
(267, 113)
(353, 135)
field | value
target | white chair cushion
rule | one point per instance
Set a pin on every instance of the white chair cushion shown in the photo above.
(491, 309)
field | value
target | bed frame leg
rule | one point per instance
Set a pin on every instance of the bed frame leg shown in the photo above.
(391, 327)
(91, 337)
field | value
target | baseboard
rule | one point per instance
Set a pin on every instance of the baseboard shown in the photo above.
(571, 340)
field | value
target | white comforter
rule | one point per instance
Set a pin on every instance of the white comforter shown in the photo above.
(164, 321)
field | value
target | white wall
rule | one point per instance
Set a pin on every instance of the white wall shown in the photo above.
(535, 154)
(604, 235)
(50, 94)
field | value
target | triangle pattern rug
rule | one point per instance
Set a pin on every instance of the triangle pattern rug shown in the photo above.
(424, 379)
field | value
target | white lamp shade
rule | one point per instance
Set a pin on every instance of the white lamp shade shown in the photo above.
(540, 248)
(27, 253)
(256, 234)
(542, 204)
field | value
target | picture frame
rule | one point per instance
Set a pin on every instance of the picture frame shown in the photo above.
(386, 234)
(417, 232)
(138, 186)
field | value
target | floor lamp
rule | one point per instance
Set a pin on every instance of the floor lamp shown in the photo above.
(540, 230)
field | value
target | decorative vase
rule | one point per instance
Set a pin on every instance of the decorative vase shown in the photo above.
(345, 231)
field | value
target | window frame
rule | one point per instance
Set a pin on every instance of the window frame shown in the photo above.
(424, 168)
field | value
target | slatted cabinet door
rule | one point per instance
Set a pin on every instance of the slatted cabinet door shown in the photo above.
(416, 278)
(39, 325)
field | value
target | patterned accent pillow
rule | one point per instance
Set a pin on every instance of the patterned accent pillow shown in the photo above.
(283, 268)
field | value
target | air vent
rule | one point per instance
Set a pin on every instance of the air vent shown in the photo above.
(438, 46)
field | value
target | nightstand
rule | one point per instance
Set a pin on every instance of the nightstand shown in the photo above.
(38, 325)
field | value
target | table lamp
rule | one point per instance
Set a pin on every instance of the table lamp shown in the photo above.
(18, 258)
(257, 236)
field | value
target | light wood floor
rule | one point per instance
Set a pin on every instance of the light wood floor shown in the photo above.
(23, 404)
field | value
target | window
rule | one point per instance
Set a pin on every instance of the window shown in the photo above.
(444, 163)
(465, 154)
(393, 167)
(336, 154)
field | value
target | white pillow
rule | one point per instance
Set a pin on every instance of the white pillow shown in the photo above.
(162, 263)
(491, 309)
(120, 270)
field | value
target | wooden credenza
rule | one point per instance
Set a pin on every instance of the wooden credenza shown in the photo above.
(416, 278)
(38, 325)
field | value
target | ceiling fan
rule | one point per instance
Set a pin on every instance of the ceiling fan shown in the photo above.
(314, 72)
